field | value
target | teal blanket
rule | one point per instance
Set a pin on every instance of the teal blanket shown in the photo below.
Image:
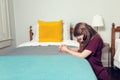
(45, 67)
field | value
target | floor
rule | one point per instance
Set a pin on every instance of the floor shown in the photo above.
(114, 73)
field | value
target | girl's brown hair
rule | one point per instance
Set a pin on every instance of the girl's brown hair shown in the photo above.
(87, 31)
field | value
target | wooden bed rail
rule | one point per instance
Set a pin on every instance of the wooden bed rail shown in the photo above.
(113, 31)
(31, 33)
(112, 43)
(71, 33)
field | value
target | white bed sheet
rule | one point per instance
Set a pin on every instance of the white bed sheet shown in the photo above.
(117, 53)
(35, 43)
(117, 63)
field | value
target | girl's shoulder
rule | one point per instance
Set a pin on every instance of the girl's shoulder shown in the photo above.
(97, 38)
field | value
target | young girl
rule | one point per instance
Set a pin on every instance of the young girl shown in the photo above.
(91, 45)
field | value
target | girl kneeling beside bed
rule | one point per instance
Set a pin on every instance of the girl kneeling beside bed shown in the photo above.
(91, 45)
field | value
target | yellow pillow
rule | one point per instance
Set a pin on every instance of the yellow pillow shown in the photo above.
(50, 31)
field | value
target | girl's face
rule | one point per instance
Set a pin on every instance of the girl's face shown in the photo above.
(80, 38)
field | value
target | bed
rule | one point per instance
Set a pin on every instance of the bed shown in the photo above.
(43, 61)
(115, 46)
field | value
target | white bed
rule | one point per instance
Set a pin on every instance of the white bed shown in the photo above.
(51, 64)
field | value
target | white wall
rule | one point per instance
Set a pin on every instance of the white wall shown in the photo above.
(27, 12)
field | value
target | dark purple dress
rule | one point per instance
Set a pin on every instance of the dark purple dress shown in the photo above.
(95, 46)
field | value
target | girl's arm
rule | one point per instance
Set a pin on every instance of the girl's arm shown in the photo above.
(83, 54)
(74, 49)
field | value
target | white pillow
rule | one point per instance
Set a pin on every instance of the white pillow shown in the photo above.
(66, 32)
(117, 43)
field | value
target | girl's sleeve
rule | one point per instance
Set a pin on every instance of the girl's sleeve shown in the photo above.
(94, 44)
